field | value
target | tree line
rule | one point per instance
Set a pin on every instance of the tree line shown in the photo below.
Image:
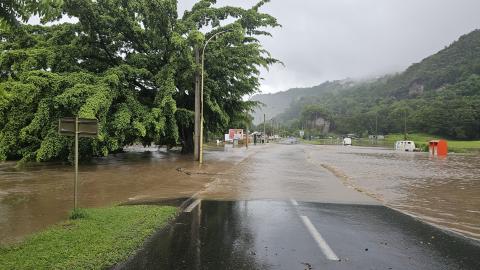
(128, 63)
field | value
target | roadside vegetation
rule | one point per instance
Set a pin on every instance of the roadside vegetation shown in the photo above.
(91, 239)
(131, 65)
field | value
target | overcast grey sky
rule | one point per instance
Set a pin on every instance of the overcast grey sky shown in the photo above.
(333, 39)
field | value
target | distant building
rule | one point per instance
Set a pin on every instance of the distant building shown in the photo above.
(234, 134)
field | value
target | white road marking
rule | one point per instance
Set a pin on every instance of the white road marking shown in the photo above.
(294, 202)
(327, 251)
(192, 206)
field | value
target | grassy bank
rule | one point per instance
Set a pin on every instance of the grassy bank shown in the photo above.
(422, 139)
(419, 139)
(96, 239)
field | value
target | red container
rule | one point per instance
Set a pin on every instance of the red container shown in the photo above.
(438, 147)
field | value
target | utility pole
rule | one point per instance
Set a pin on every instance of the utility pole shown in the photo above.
(196, 134)
(246, 127)
(75, 188)
(376, 127)
(273, 128)
(264, 129)
(405, 128)
(246, 141)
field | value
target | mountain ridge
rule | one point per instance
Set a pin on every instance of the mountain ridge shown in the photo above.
(451, 65)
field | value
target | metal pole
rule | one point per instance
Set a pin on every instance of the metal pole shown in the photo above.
(76, 166)
(200, 158)
(201, 107)
(246, 127)
(196, 138)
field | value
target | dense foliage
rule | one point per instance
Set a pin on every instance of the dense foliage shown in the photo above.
(13, 10)
(129, 64)
(440, 96)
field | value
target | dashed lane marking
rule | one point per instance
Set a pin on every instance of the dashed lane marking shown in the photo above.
(192, 206)
(327, 251)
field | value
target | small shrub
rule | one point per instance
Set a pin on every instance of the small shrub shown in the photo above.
(78, 213)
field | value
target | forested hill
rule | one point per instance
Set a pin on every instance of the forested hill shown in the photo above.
(440, 95)
(276, 103)
(451, 65)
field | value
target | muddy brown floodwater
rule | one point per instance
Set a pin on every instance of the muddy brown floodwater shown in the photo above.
(38, 195)
(444, 192)
(441, 191)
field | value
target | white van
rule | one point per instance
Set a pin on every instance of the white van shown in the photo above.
(347, 141)
(407, 146)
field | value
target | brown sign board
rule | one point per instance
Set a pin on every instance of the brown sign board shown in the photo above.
(86, 127)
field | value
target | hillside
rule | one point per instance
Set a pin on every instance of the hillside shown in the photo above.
(276, 103)
(439, 95)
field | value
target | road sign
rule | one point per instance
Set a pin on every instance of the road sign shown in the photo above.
(86, 127)
(78, 127)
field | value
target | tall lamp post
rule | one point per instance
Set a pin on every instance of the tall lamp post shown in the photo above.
(201, 95)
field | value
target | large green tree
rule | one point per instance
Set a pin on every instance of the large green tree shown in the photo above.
(129, 64)
(12, 12)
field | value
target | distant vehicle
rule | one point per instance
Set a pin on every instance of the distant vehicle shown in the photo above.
(407, 146)
(347, 141)
(290, 140)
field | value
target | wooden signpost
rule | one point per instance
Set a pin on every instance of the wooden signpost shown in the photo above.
(77, 127)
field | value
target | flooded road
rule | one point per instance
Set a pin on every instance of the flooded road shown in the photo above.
(39, 195)
(444, 192)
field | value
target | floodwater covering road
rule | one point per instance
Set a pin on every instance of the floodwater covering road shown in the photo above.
(441, 191)
(319, 183)
(280, 209)
(39, 195)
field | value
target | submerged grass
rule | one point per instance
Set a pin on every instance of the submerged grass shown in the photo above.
(91, 239)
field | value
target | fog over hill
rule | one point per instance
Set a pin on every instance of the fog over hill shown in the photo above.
(449, 75)
(276, 103)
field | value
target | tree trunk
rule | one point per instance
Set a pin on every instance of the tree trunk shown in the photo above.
(187, 141)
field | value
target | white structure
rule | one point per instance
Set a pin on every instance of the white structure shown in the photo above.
(347, 141)
(407, 146)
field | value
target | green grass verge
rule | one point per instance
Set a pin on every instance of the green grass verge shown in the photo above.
(97, 239)
(422, 139)
(320, 141)
(419, 139)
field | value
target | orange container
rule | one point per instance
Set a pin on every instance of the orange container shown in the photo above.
(438, 147)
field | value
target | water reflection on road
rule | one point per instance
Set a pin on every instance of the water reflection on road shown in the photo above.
(443, 191)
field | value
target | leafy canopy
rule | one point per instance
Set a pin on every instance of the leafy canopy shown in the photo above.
(131, 65)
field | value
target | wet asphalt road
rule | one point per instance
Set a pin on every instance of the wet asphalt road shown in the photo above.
(273, 235)
(248, 218)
